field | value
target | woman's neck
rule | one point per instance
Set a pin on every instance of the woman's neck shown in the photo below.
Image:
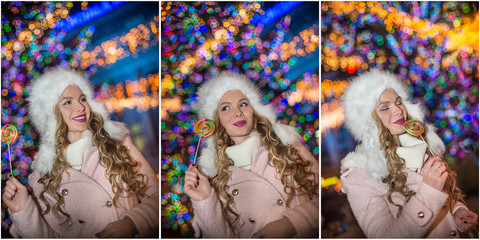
(74, 136)
(240, 139)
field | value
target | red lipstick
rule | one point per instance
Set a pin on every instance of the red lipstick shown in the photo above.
(80, 118)
(240, 123)
(399, 121)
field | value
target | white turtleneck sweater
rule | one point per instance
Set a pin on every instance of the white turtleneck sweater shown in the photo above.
(241, 154)
(74, 152)
(412, 150)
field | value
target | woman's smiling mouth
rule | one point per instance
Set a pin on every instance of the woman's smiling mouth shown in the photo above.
(80, 118)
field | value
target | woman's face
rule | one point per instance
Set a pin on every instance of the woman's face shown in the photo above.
(392, 112)
(236, 115)
(75, 112)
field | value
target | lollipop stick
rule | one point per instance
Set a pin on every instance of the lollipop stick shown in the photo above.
(10, 159)
(196, 151)
(431, 152)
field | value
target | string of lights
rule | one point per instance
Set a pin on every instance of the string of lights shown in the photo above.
(110, 51)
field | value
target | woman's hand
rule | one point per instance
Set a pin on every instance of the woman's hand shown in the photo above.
(434, 172)
(281, 228)
(15, 195)
(124, 228)
(196, 184)
(465, 219)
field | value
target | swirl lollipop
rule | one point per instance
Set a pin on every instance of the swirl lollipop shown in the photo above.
(203, 128)
(415, 128)
(9, 136)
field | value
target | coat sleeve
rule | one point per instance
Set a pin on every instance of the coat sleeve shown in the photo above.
(373, 214)
(304, 216)
(458, 205)
(208, 219)
(145, 214)
(29, 223)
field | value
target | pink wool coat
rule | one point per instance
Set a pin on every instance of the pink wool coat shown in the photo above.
(423, 215)
(259, 199)
(89, 201)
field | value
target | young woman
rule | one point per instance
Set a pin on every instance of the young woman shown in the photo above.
(89, 180)
(396, 188)
(255, 178)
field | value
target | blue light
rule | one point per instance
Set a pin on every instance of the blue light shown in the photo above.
(275, 12)
(82, 17)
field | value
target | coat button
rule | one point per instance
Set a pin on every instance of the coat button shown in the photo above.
(235, 192)
(109, 204)
(65, 192)
(279, 202)
(252, 220)
(453, 233)
(80, 221)
(421, 214)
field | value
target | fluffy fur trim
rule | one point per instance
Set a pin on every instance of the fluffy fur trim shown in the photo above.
(44, 95)
(206, 160)
(211, 92)
(209, 96)
(359, 101)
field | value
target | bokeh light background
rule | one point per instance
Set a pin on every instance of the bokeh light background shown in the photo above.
(96, 38)
(275, 44)
(431, 46)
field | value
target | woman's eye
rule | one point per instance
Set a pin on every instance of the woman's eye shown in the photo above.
(243, 104)
(67, 102)
(383, 109)
(400, 103)
(83, 99)
(225, 108)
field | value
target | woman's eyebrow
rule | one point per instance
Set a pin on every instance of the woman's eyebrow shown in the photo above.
(223, 103)
(396, 99)
(66, 98)
(83, 95)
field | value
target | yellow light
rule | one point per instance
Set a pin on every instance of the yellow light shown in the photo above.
(330, 181)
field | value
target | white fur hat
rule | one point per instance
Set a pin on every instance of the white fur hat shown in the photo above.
(45, 94)
(360, 100)
(209, 96)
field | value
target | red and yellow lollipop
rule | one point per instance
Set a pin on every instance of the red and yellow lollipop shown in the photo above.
(9, 136)
(413, 127)
(203, 128)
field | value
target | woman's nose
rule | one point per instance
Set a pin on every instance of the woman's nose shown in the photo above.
(238, 112)
(80, 107)
(398, 110)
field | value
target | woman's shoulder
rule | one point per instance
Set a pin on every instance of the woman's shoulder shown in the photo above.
(354, 159)
(33, 180)
(360, 180)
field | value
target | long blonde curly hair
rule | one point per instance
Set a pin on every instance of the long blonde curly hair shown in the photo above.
(395, 164)
(296, 178)
(121, 169)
